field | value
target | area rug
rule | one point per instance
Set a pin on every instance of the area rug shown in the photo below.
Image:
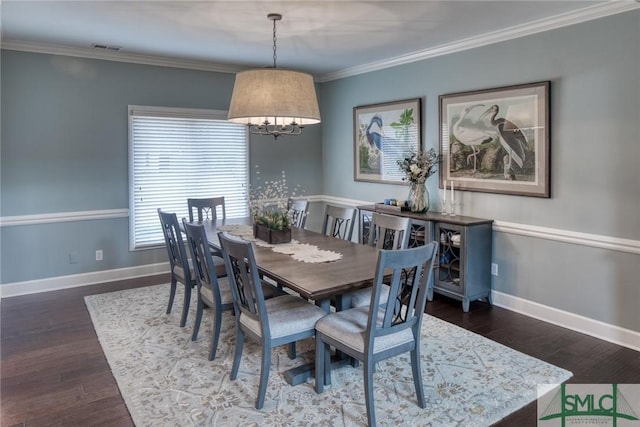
(166, 379)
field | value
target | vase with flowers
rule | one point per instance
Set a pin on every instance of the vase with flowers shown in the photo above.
(417, 167)
(268, 206)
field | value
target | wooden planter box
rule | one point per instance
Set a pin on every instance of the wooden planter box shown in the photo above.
(271, 236)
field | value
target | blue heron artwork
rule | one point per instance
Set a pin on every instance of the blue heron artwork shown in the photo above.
(383, 135)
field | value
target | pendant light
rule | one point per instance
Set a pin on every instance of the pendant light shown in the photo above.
(274, 101)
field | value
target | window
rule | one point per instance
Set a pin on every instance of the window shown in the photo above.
(179, 153)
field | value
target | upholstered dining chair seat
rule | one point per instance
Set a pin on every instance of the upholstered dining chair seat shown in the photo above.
(362, 297)
(225, 292)
(287, 315)
(218, 264)
(349, 327)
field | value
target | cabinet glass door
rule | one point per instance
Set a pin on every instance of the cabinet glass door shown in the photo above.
(450, 256)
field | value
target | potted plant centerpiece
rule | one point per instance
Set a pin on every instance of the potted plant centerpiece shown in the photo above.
(269, 210)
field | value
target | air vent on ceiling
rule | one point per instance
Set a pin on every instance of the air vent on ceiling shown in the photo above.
(106, 47)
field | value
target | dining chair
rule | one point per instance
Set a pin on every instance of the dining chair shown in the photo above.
(213, 292)
(180, 269)
(389, 231)
(207, 209)
(386, 232)
(280, 320)
(338, 222)
(299, 210)
(388, 330)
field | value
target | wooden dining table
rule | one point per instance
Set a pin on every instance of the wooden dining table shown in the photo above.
(323, 282)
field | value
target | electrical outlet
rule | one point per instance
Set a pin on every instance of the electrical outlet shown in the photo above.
(494, 269)
(99, 255)
(73, 257)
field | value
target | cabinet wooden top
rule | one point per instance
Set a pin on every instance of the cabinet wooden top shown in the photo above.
(431, 216)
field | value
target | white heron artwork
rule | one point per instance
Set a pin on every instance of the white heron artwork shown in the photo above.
(467, 132)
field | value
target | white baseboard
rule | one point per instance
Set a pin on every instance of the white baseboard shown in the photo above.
(572, 321)
(77, 280)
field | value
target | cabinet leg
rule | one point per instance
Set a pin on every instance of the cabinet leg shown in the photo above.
(465, 305)
(430, 294)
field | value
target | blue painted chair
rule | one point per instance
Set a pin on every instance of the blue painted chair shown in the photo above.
(372, 335)
(178, 261)
(280, 320)
(213, 292)
(387, 232)
(299, 209)
(206, 208)
(338, 222)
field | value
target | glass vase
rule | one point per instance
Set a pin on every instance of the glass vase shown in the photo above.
(418, 197)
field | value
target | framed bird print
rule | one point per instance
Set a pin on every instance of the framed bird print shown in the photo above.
(382, 135)
(496, 140)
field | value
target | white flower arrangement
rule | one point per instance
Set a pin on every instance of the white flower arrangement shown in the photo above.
(417, 167)
(268, 202)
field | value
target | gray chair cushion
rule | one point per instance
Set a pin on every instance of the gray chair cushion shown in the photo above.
(349, 328)
(218, 264)
(225, 292)
(178, 271)
(362, 297)
(287, 315)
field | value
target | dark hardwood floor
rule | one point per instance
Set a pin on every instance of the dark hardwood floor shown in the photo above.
(53, 371)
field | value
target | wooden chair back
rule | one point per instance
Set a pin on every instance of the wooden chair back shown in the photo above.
(338, 222)
(389, 231)
(201, 259)
(411, 275)
(246, 286)
(298, 209)
(207, 209)
(174, 243)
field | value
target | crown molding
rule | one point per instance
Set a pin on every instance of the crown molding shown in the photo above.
(91, 53)
(564, 20)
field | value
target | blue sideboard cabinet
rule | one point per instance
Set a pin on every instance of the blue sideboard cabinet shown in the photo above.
(463, 263)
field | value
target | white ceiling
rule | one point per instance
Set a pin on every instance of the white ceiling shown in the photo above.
(325, 38)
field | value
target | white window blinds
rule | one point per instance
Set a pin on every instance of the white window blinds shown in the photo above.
(179, 153)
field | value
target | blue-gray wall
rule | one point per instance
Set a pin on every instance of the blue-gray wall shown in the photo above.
(594, 69)
(64, 148)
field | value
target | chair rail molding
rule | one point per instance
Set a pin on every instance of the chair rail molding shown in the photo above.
(555, 234)
(49, 218)
(567, 236)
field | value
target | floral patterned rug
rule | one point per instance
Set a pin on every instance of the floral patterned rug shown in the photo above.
(166, 379)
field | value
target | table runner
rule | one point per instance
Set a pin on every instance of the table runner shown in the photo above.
(299, 251)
